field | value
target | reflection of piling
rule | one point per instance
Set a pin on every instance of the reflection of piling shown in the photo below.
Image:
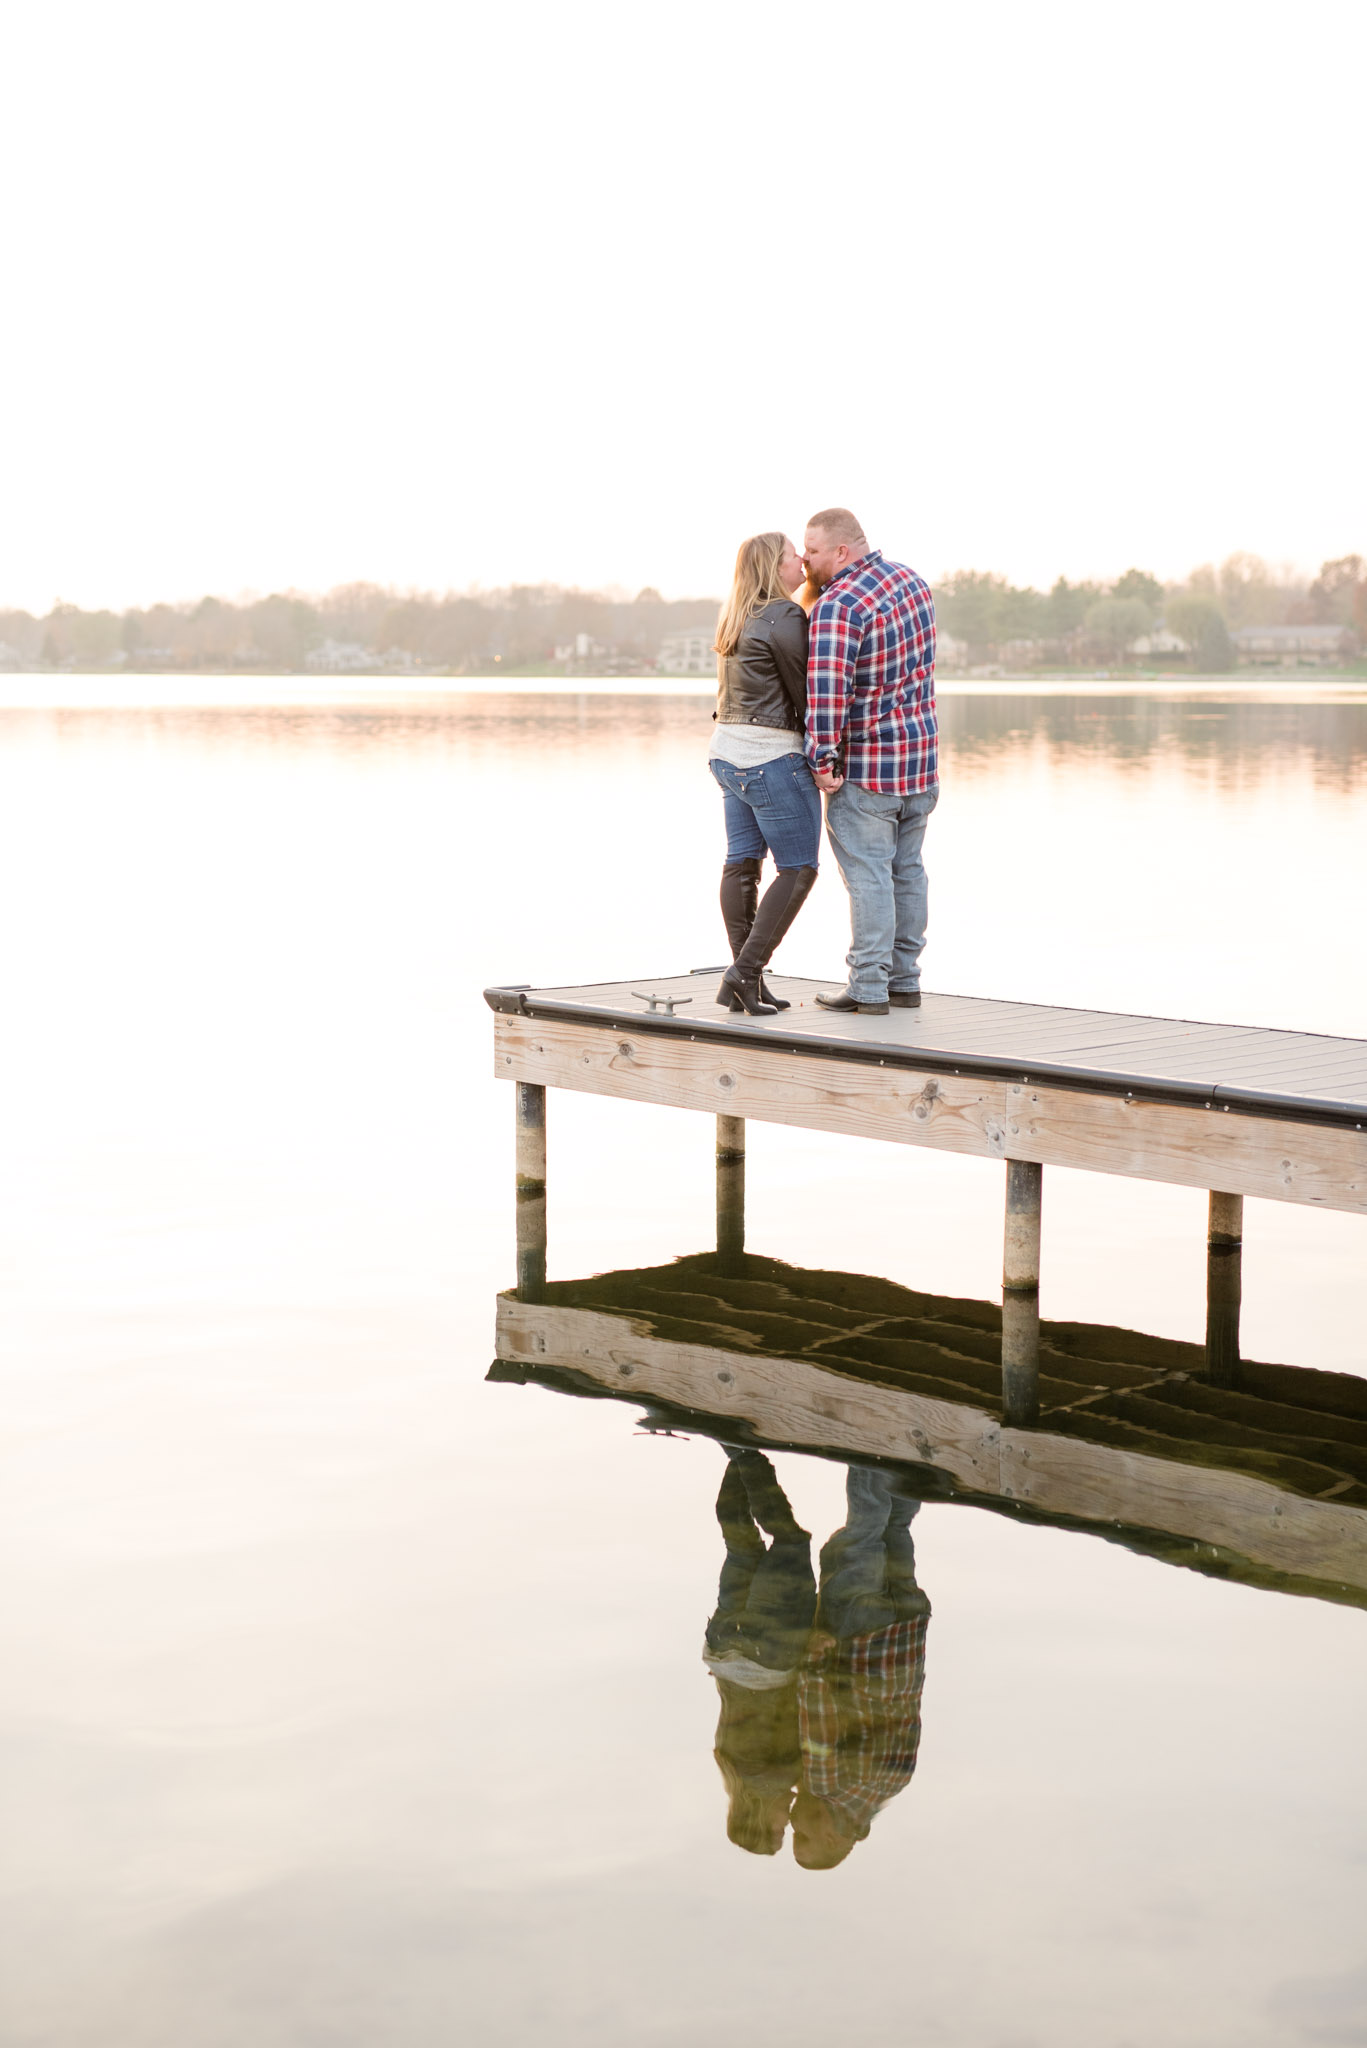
(1020, 1293)
(731, 1188)
(531, 1190)
(1224, 1288)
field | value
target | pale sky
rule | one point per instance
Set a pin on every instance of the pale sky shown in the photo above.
(433, 294)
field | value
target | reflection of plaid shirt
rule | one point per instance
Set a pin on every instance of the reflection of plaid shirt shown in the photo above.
(871, 677)
(859, 1718)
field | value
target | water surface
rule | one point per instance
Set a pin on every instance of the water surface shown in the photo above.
(349, 1697)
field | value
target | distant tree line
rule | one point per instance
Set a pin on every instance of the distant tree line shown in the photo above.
(984, 620)
(359, 626)
(1085, 623)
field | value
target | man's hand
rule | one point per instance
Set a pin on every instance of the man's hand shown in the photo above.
(826, 779)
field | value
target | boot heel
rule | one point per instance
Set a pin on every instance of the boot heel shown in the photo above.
(743, 995)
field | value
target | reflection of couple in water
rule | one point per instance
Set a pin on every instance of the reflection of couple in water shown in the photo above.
(820, 1690)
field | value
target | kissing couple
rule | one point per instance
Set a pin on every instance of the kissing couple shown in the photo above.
(826, 686)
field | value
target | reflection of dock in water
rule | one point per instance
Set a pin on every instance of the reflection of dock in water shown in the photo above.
(1265, 1481)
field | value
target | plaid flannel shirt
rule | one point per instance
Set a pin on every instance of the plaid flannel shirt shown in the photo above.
(859, 1718)
(871, 678)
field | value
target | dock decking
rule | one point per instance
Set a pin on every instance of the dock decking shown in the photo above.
(1277, 1114)
(1290, 1075)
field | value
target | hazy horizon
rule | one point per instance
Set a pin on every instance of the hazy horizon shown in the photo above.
(452, 296)
(1281, 574)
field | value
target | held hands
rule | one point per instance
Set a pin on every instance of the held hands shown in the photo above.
(826, 779)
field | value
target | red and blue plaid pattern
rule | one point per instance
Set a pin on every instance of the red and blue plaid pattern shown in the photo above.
(859, 1718)
(871, 678)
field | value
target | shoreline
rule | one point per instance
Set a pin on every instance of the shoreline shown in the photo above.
(124, 692)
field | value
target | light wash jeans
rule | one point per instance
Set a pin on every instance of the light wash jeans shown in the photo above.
(868, 1568)
(876, 841)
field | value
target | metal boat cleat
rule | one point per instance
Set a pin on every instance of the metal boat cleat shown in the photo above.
(660, 1004)
(655, 1422)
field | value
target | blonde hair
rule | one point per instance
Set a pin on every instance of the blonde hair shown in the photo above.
(754, 585)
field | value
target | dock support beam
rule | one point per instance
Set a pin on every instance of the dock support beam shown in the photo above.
(531, 1190)
(1020, 1294)
(731, 1188)
(1224, 1288)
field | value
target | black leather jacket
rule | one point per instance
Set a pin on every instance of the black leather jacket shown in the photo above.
(765, 681)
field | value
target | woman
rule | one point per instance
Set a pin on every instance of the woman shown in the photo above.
(754, 1648)
(771, 802)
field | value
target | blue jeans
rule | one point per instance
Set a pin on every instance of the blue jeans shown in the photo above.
(876, 840)
(774, 808)
(767, 1597)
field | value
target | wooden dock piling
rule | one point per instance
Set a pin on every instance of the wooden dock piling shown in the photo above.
(1224, 1288)
(731, 1187)
(531, 1190)
(1020, 1293)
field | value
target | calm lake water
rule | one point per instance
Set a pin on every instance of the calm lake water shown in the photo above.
(350, 1699)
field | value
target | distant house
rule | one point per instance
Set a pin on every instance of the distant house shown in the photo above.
(1160, 641)
(583, 647)
(11, 660)
(1292, 646)
(341, 658)
(584, 656)
(689, 653)
(949, 652)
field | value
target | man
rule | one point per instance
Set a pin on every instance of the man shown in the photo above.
(859, 1691)
(872, 741)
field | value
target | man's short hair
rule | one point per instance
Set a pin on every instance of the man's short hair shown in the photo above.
(839, 525)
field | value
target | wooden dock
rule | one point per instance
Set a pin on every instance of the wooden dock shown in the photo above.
(1266, 1483)
(1236, 1110)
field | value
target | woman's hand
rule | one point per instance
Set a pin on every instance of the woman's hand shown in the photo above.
(826, 779)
